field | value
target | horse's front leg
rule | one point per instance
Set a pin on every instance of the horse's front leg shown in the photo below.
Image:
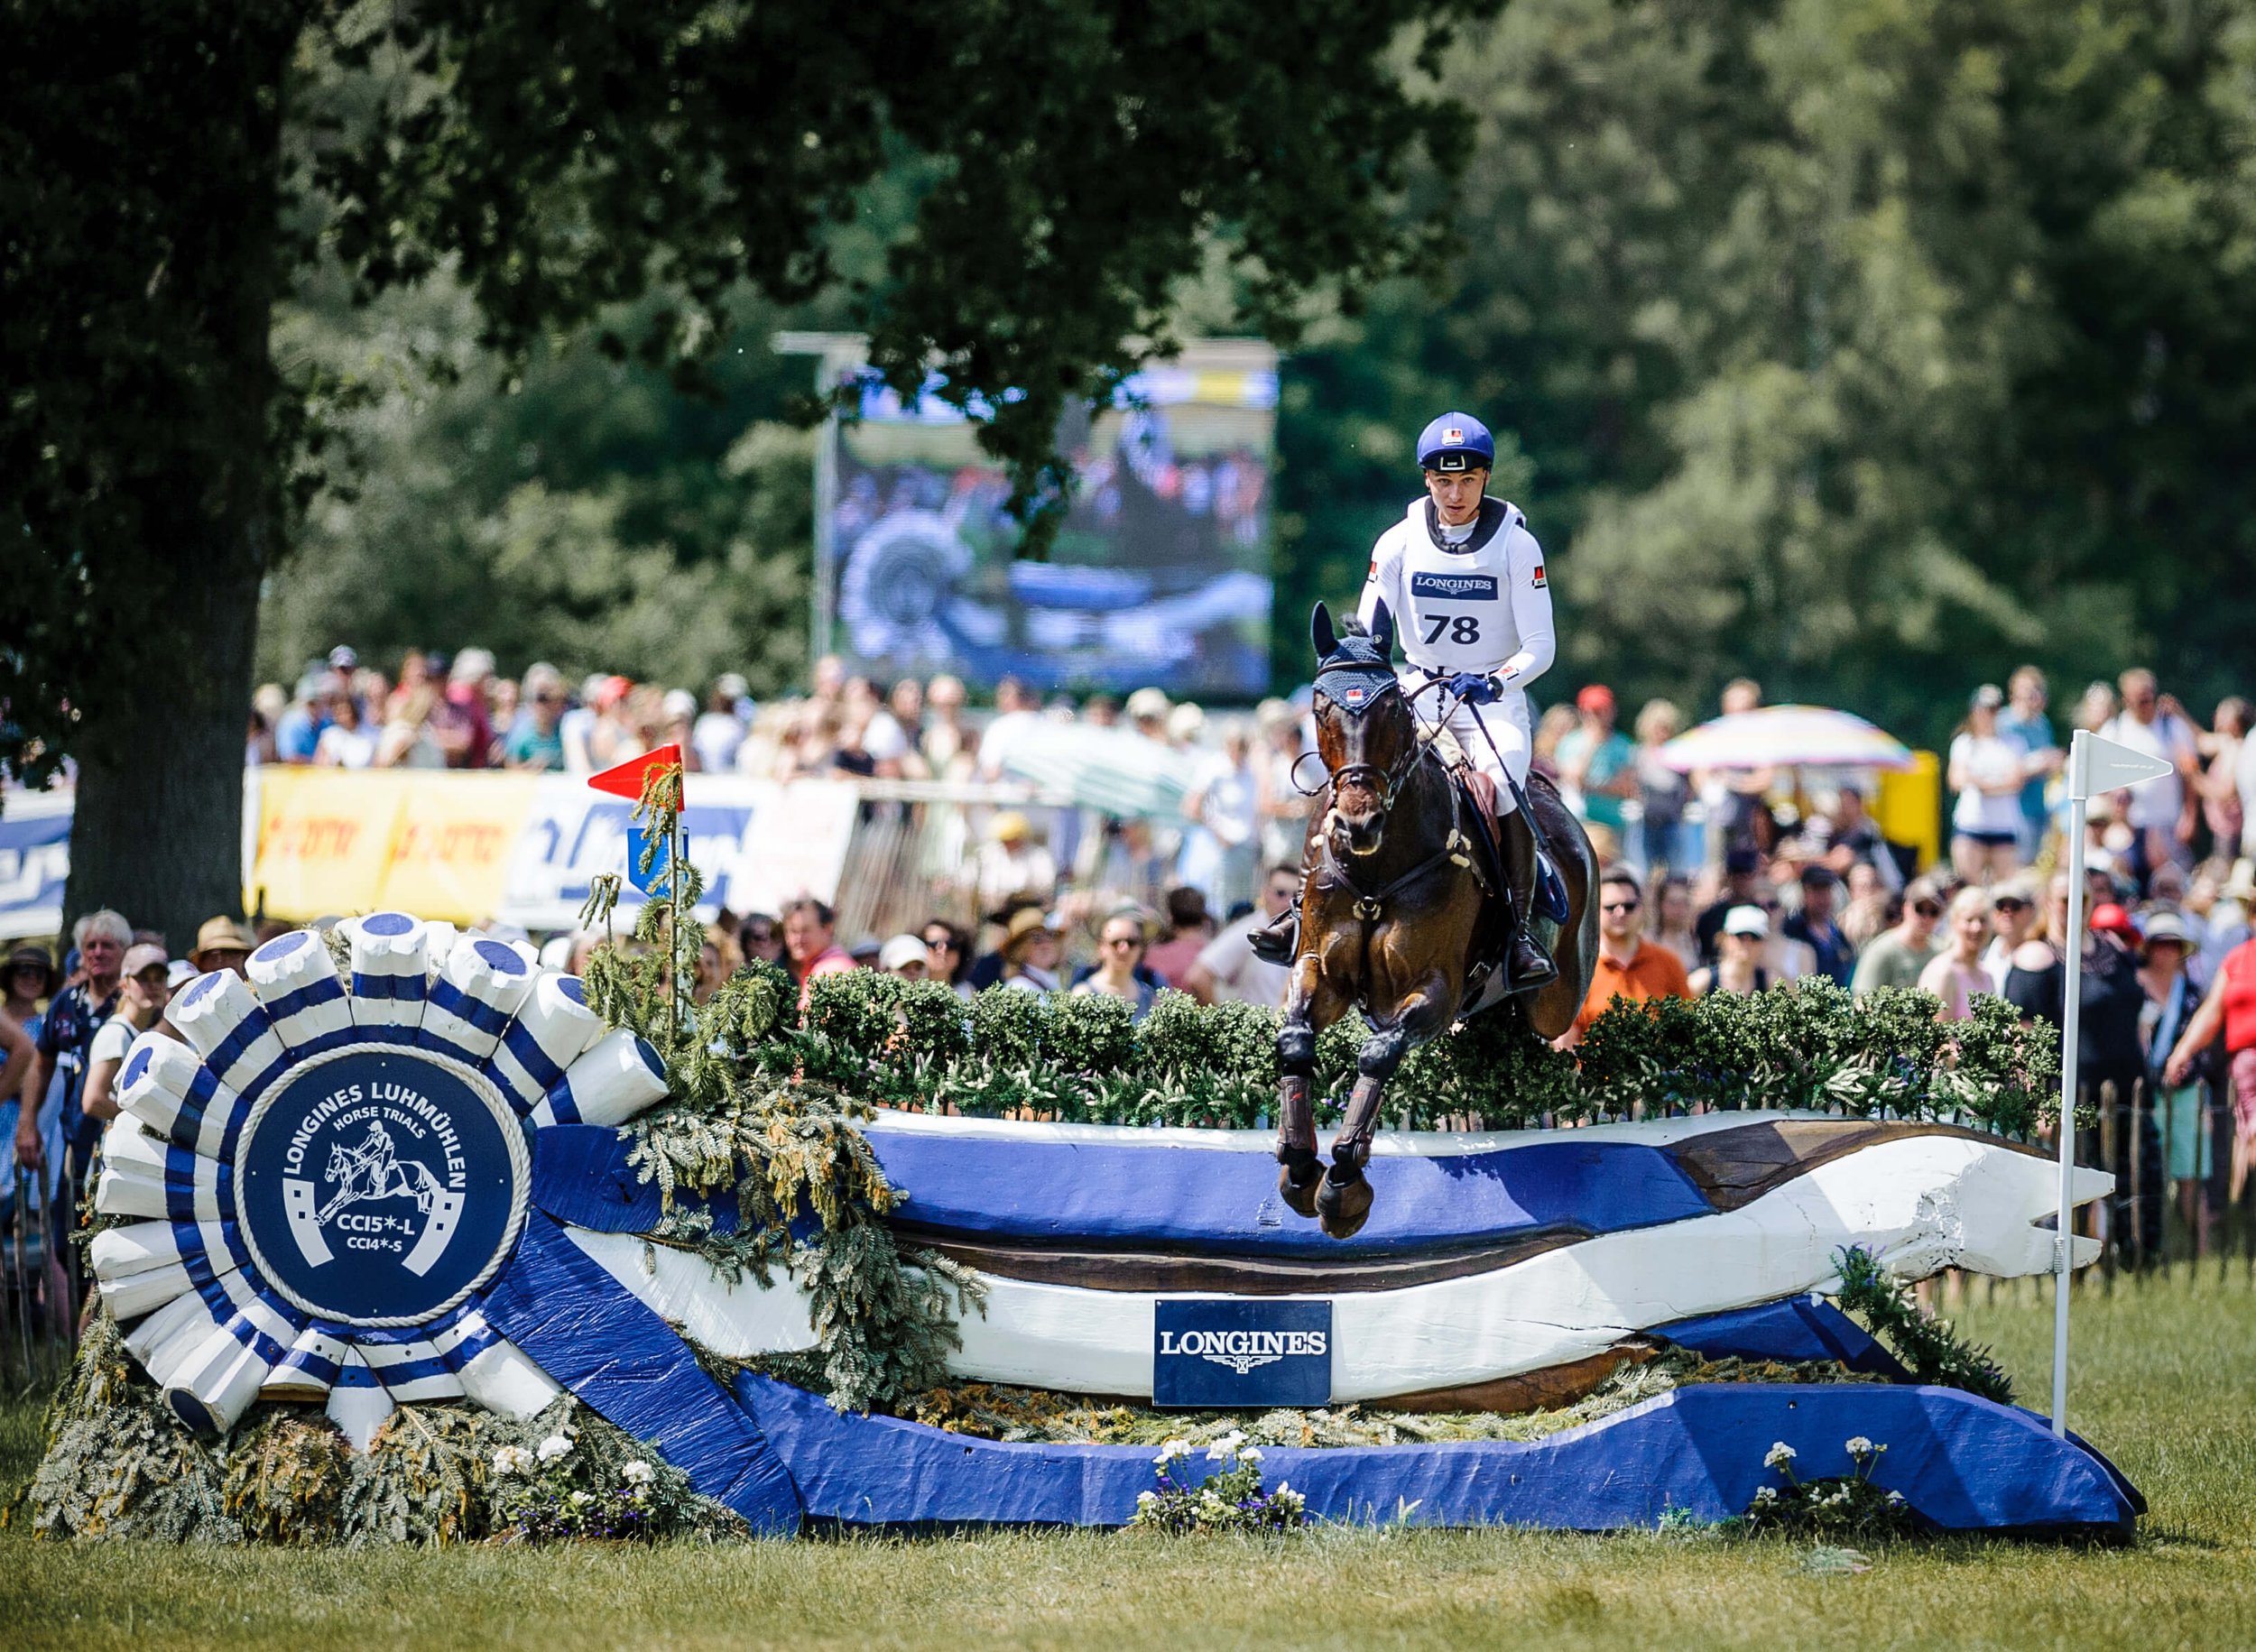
(1344, 1200)
(1309, 1007)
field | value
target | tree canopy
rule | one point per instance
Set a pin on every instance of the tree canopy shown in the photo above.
(176, 169)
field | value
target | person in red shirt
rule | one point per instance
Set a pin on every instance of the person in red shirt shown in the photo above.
(810, 943)
(1627, 967)
(2232, 1007)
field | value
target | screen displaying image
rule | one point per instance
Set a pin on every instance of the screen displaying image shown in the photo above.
(1160, 574)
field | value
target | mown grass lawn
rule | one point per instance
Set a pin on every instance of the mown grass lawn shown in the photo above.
(2164, 1379)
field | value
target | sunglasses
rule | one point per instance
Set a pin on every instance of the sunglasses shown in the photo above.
(1122, 940)
(1621, 906)
(2009, 904)
(938, 943)
(1926, 909)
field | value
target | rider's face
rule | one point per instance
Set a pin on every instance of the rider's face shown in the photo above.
(1457, 493)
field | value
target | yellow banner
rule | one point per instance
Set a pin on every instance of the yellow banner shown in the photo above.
(337, 842)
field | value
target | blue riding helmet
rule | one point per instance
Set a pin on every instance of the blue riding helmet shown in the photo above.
(1456, 441)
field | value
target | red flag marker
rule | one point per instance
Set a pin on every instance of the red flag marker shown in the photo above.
(626, 780)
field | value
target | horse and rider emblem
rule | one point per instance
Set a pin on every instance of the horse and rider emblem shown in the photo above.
(371, 1172)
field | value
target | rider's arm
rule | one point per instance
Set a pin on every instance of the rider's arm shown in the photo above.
(1530, 613)
(1385, 582)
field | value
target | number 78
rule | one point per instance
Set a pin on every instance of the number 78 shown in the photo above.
(1463, 628)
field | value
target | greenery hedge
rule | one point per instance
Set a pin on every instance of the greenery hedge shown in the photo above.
(917, 1045)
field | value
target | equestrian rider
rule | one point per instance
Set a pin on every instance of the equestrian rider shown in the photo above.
(1464, 579)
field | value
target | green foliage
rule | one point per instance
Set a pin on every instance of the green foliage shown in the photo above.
(1867, 348)
(595, 1482)
(1013, 1053)
(756, 1111)
(1935, 1353)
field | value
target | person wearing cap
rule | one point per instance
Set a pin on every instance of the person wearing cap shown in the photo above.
(1471, 601)
(1987, 772)
(1032, 949)
(220, 943)
(145, 988)
(1896, 956)
(1147, 709)
(1011, 863)
(534, 743)
(1738, 966)
(1815, 927)
(2173, 996)
(1955, 974)
(1743, 874)
(1597, 762)
(905, 955)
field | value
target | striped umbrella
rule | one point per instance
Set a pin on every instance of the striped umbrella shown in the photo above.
(1786, 736)
(1117, 772)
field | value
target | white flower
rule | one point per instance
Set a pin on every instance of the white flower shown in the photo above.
(1766, 1494)
(1248, 1454)
(555, 1445)
(512, 1460)
(1226, 1446)
(1859, 1446)
(1895, 1499)
(582, 1497)
(1780, 1454)
(1172, 1450)
(1146, 1497)
(637, 1472)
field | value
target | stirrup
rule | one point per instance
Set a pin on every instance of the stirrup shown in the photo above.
(1276, 943)
(1532, 980)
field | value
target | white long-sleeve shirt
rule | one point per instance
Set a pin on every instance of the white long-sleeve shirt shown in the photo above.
(1479, 603)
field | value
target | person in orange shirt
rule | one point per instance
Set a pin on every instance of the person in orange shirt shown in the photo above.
(1627, 967)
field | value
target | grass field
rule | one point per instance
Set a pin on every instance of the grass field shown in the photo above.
(2164, 1379)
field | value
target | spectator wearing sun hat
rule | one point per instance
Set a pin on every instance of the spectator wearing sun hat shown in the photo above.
(1011, 863)
(221, 943)
(1032, 948)
(905, 955)
(1596, 761)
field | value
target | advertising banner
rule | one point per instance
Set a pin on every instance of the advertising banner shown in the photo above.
(521, 848)
(34, 862)
(1160, 574)
(756, 843)
(340, 841)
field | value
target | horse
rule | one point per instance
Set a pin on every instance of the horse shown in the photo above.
(1399, 907)
(373, 1171)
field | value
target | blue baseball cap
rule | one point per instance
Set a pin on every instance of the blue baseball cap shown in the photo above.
(1456, 441)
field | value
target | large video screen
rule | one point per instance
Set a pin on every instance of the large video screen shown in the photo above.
(1160, 574)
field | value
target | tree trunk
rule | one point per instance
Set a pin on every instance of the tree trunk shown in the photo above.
(157, 832)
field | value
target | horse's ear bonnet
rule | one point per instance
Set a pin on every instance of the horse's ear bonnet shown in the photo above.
(1354, 670)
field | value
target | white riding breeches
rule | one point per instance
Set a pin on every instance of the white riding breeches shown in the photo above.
(1506, 722)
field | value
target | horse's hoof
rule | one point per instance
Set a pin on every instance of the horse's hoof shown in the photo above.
(1297, 1182)
(1343, 1208)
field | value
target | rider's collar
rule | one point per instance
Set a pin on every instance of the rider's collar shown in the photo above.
(1494, 514)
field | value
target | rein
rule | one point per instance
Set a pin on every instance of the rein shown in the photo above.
(1455, 847)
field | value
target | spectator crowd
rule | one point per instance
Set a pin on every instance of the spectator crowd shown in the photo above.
(1743, 881)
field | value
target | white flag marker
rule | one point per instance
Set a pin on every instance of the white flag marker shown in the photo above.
(2094, 765)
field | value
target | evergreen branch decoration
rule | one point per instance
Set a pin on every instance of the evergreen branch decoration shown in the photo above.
(1935, 1354)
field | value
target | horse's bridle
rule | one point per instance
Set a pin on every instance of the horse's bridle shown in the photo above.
(1388, 780)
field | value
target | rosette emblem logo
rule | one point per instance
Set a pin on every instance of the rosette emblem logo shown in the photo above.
(378, 1187)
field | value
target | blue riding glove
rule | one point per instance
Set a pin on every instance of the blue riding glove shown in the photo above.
(1474, 688)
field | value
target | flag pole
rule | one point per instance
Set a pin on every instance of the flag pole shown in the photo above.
(2064, 1241)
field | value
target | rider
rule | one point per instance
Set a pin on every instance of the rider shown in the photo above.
(1464, 579)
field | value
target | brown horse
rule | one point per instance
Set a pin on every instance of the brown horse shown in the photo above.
(1399, 909)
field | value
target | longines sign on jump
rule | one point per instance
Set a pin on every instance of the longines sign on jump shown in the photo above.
(1238, 1351)
(377, 1188)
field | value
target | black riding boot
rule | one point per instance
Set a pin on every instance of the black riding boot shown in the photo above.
(1277, 940)
(1529, 968)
